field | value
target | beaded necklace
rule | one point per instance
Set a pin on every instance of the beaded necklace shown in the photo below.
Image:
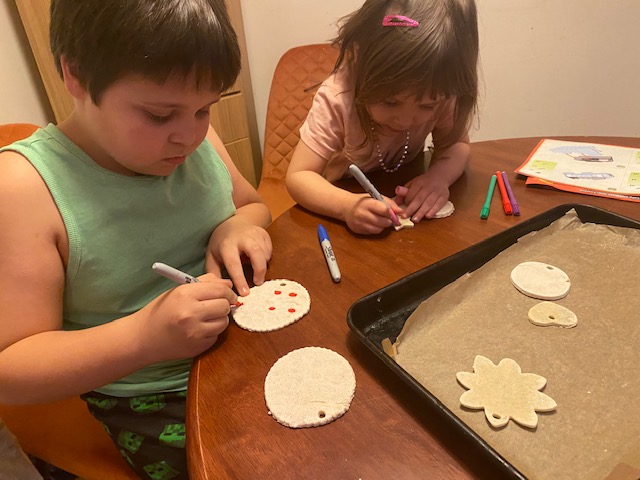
(405, 150)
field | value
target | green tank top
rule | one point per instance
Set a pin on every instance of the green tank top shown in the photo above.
(118, 226)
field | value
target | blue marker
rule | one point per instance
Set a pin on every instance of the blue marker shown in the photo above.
(328, 254)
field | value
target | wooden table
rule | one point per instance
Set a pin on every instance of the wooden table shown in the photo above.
(386, 433)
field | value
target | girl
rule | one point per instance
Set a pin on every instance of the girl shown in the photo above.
(406, 69)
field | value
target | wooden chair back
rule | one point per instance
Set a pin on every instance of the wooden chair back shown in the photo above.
(299, 70)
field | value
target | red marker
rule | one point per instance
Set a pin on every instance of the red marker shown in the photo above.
(506, 204)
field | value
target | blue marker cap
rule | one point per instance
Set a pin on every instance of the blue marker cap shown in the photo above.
(322, 233)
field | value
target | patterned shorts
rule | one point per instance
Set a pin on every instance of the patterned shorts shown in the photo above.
(148, 430)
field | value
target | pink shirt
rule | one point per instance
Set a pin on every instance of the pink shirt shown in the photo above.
(332, 130)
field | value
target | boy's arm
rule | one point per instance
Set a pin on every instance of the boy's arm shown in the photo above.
(241, 234)
(38, 361)
(246, 198)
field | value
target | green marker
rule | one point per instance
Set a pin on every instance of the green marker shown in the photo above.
(487, 202)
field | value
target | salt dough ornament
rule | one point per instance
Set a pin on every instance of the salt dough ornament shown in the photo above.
(309, 387)
(404, 223)
(272, 305)
(540, 280)
(547, 314)
(445, 211)
(504, 392)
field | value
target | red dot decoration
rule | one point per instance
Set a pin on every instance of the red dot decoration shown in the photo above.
(272, 308)
(293, 294)
(291, 310)
(277, 292)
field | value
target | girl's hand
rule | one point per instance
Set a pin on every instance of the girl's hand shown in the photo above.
(229, 242)
(186, 320)
(369, 216)
(423, 196)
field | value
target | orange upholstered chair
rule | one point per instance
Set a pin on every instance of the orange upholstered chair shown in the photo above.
(299, 70)
(12, 132)
(64, 433)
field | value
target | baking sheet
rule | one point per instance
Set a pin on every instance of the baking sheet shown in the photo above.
(591, 369)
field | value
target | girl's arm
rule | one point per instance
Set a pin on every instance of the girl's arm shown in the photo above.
(311, 190)
(449, 164)
(38, 361)
(426, 194)
(243, 233)
(307, 187)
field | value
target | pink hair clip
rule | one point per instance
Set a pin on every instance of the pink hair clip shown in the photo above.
(399, 21)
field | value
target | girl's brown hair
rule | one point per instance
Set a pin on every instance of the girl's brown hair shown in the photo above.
(438, 57)
(103, 40)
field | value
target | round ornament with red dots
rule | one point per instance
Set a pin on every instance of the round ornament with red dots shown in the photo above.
(272, 305)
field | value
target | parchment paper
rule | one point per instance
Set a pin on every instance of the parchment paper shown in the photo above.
(592, 370)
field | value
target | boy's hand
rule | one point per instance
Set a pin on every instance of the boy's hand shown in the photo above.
(369, 216)
(186, 320)
(229, 242)
(423, 196)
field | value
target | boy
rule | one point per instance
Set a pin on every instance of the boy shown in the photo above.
(135, 175)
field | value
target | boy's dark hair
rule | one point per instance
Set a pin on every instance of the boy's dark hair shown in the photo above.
(439, 57)
(103, 40)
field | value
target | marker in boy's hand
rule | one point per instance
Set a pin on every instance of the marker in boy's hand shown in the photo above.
(378, 107)
(179, 276)
(185, 321)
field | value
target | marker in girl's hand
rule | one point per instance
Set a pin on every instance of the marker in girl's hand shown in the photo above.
(177, 276)
(371, 190)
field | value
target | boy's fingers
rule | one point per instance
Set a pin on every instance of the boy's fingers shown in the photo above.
(236, 273)
(259, 257)
(212, 277)
(213, 289)
(211, 266)
(259, 266)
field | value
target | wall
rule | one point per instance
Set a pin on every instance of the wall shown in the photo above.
(549, 67)
(559, 67)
